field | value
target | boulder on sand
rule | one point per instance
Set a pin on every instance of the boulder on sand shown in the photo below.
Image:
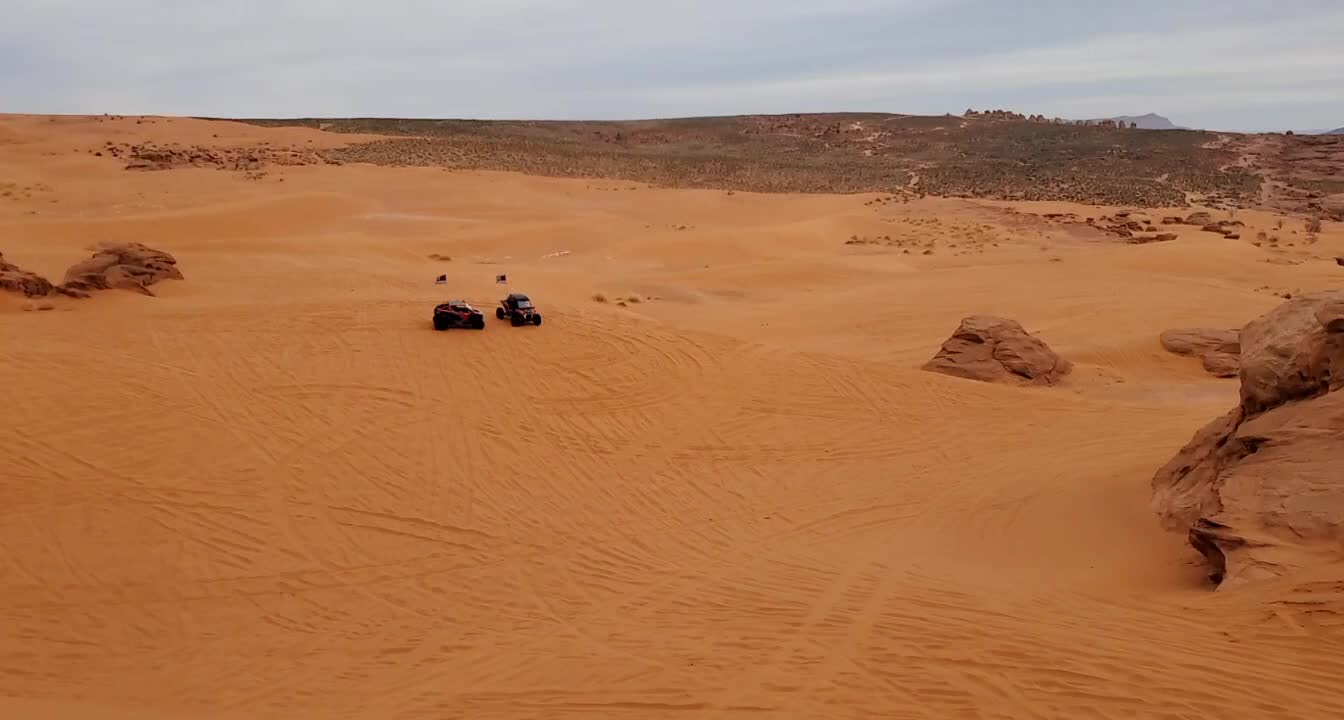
(1218, 348)
(1260, 490)
(129, 266)
(1197, 341)
(994, 349)
(16, 279)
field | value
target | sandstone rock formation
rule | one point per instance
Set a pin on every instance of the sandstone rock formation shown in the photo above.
(994, 349)
(1224, 228)
(129, 266)
(1261, 490)
(1136, 229)
(1221, 364)
(1145, 239)
(1197, 341)
(15, 279)
(1219, 349)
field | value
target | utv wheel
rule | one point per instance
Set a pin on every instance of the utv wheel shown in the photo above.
(440, 325)
(478, 323)
(499, 313)
(536, 319)
(516, 320)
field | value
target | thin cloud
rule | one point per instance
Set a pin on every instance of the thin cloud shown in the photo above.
(1259, 59)
(1234, 64)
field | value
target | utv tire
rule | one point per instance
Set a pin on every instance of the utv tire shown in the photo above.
(536, 319)
(516, 320)
(440, 324)
(478, 323)
(499, 313)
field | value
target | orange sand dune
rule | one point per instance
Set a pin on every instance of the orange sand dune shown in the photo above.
(272, 491)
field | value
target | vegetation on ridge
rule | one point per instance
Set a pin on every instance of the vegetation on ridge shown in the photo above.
(847, 152)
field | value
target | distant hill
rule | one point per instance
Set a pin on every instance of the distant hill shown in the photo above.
(991, 156)
(1336, 131)
(1151, 121)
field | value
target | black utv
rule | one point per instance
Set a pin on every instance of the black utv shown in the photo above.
(518, 308)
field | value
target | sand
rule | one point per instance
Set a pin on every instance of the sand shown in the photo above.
(273, 491)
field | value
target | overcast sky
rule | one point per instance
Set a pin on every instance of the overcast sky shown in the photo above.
(1222, 64)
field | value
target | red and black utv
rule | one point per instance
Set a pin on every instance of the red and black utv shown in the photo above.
(458, 314)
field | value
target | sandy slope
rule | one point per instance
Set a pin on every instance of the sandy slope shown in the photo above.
(273, 491)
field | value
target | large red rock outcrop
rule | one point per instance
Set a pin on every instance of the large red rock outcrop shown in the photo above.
(994, 349)
(1260, 491)
(129, 266)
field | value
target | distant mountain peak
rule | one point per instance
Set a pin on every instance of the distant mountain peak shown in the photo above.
(1150, 121)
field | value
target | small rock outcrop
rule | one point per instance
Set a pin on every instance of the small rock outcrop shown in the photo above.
(1197, 341)
(128, 266)
(1260, 490)
(1204, 221)
(1221, 364)
(16, 279)
(994, 349)
(1218, 349)
(1158, 237)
